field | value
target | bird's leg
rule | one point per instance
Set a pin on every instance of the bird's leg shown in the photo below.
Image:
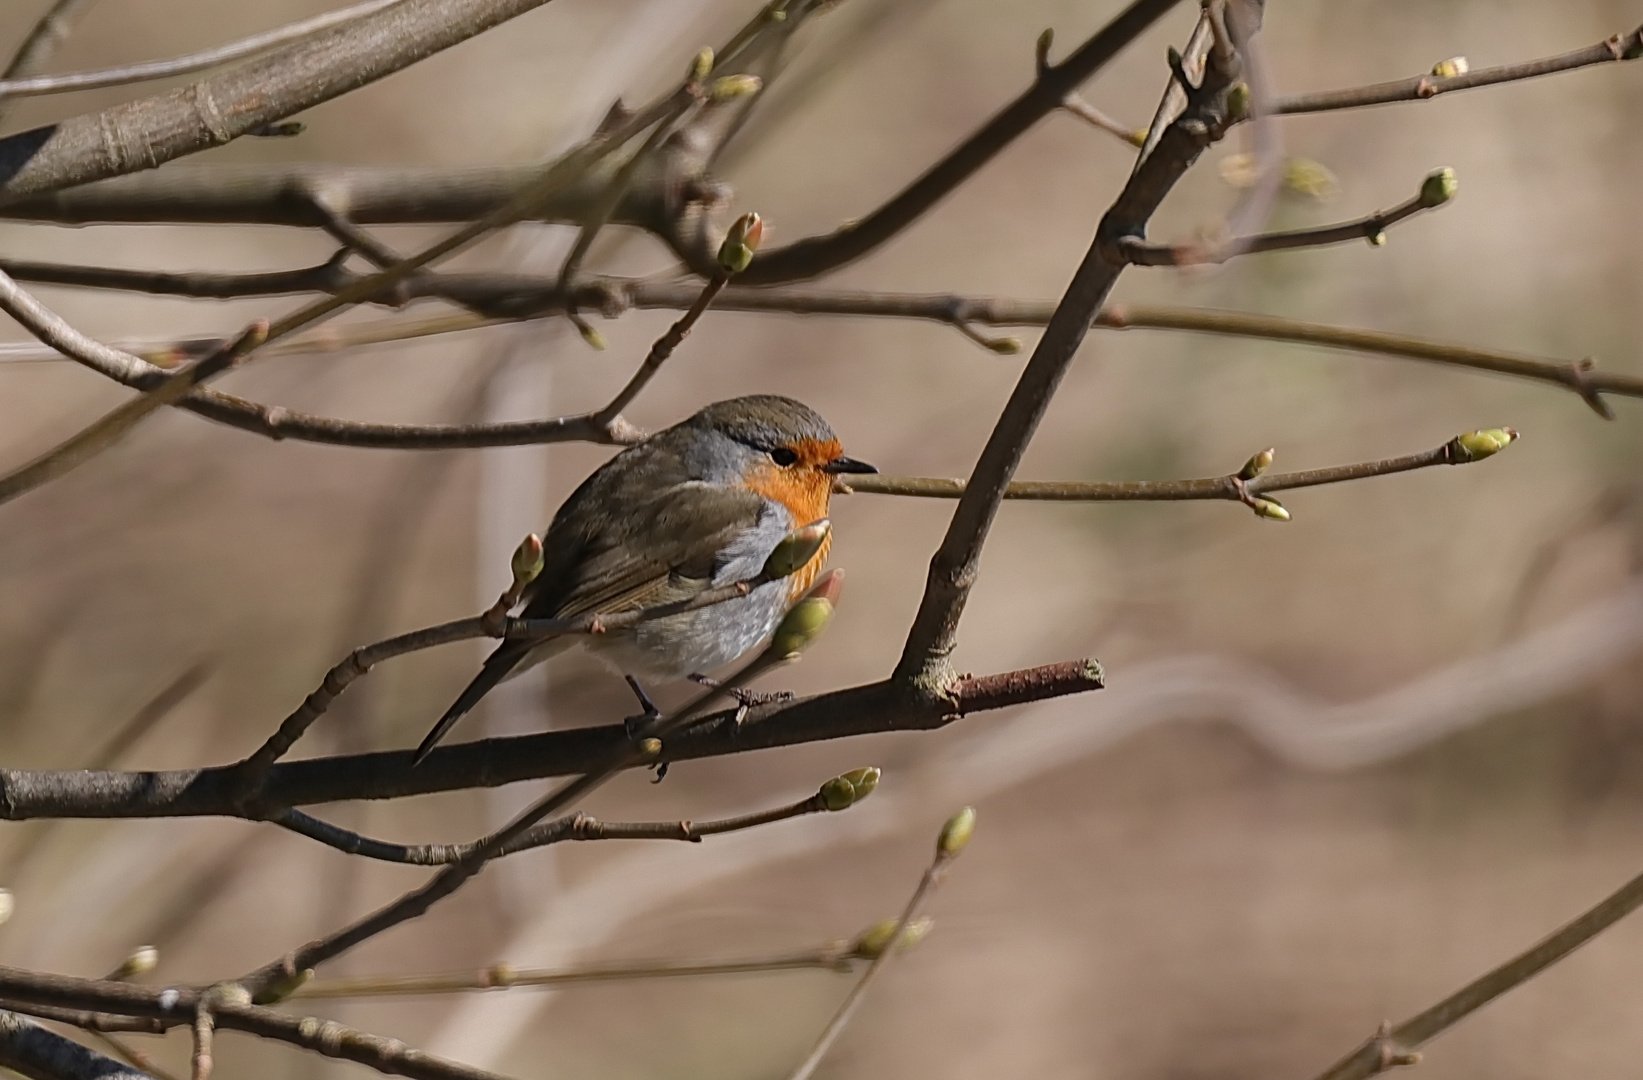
(638, 725)
(744, 699)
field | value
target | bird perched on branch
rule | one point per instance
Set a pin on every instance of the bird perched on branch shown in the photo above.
(695, 507)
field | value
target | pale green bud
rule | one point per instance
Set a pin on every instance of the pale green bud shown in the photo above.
(740, 243)
(1438, 187)
(806, 620)
(1448, 69)
(527, 561)
(1475, 445)
(1239, 102)
(955, 835)
(871, 943)
(1257, 465)
(732, 87)
(797, 548)
(702, 65)
(1271, 509)
(141, 961)
(650, 747)
(843, 792)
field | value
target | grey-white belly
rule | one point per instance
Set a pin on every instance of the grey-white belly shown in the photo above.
(696, 641)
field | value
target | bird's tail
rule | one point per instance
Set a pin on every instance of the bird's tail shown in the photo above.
(498, 666)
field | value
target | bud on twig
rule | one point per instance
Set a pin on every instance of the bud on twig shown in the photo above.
(1476, 445)
(1270, 508)
(871, 943)
(1257, 465)
(797, 548)
(955, 835)
(1448, 69)
(141, 961)
(732, 87)
(527, 561)
(843, 792)
(284, 988)
(1438, 187)
(1240, 102)
(740, 242)
(805, 621)
(702, 65)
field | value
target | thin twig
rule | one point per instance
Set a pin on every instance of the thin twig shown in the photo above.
(1619, 47)
(932, 877)
(1082, 109)
(1396, 1045)
(13, 86)
(48, 34)
(1372, 228)
(200, 1061)
(1229, 487)
(574, 827)
(834, 956)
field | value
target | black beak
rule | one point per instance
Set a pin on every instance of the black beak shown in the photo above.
(847, 465)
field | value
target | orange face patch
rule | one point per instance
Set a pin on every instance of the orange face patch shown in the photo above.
(804, 489)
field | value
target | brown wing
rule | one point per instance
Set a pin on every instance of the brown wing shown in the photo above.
(655, 550)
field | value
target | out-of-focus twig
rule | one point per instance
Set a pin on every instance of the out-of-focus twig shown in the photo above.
(13, 85)
(1627, 46)
(52, 29)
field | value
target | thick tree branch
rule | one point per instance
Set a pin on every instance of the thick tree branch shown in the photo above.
(148, 132)
(861, 710)
(1620, 47)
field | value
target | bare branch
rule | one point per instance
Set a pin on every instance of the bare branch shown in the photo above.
(574, 827)
(923, 664)
(145, 133)
(1233, 487)
(818, 255)
(48, 34)
(1620, 47)
(1396, 1045)
(947, 849)
(13, 86)
(1372, 228)
(860, 710)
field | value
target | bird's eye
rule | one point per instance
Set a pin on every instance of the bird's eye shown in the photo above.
(783, 456)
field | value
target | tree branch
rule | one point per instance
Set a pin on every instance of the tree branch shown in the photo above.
(52, 29)
(861, 710)
(13, 86)
(1619, 47)
(1233, 487)
(924, 659)
(1372, 228)
(574, 827)
(145, 133)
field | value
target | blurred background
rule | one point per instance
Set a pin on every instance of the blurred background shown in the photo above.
(1344, 764)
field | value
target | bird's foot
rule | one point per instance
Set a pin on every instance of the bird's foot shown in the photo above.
(744, 699)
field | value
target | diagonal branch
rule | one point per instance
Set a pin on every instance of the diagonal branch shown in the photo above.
(924, 659)
(52, 29)
(148, 132)
(31, 1050)
(818, 255)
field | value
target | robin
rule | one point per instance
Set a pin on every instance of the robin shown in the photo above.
(699, 505)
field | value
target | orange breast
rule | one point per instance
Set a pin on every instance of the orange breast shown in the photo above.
(805, 493)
